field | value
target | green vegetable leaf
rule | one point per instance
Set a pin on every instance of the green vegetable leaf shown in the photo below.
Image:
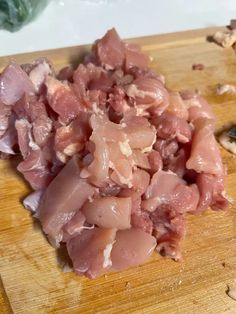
(16, 13)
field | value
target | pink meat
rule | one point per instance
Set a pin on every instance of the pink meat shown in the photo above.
(110, 50)
(197, 106)
(142, 221)
(177, 163)
(135, 198)
(169, 230)
(120, 164)
(132, 247)
(36, 113)
(41, 69)
(63, 198)
(169, 126)
(108, 212)
(85, 75)
(149, 93)
(140, 180)
(71, 139)
(155, 161)
(134, 57)
(212, 192)
(14, 82)
(177, 106)
(66, 74)
(168, 188)
(35, 170)
(140, 133)
(116, 159)
(62, 99)
(117, 100)
(166, 148)
(98, 169)
(205, 154)
(136, 72)
(90, 251)
(140, 159)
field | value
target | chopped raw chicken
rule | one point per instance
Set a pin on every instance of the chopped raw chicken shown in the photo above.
(116, 159)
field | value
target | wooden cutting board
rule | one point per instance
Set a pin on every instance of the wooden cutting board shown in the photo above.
(33, 282)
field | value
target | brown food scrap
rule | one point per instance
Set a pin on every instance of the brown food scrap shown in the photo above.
(225, 39)
(198, 66)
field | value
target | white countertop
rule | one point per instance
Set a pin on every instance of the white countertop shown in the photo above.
(72, 22)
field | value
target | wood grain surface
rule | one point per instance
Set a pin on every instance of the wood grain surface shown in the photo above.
(32, 280)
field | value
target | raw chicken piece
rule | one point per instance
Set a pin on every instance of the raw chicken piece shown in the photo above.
(90, 251)
(155, 161)
(150, 94)
(135, 58)
(140, 133)
(142, 221)
(63, 198)
(98, 169)
(140, 159)
(62, 99)
(132, 247)
(168, 188)
(14, 82)
(41, 68)
(35, 170)
(70, 139)
(140, 180)
(108, 212)
(169, 230)
(135, 197)
(177, 105)
(212, 192)
(197, 106)
(169, 126)
(110, 50)
(205, 154)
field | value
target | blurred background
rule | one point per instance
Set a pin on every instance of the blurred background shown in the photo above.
(61, 23)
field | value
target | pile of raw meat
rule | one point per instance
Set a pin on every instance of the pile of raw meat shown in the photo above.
(114, 157)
